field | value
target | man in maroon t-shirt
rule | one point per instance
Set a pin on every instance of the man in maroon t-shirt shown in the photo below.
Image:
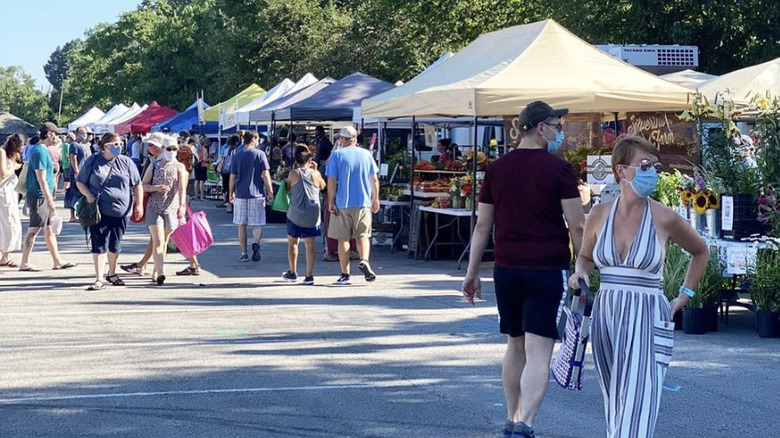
(526, 195)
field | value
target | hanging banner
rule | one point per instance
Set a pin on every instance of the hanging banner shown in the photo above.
(675, 139)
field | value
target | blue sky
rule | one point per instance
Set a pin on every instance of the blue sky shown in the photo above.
(27, 41)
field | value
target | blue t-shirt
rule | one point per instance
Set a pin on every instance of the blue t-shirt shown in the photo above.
(352, 167)
(81, 151)
(40, 159)
(115, 199)
(248, 166)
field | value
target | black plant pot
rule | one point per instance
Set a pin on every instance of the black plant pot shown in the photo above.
(678, 320)
(694, 321)
(712, 317)
(768, 324)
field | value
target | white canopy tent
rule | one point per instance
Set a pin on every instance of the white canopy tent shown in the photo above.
(501, 72)
(281, 90)
(742, 85)
(93, 115)
(129, 114)
(691, 79)
(114, 112)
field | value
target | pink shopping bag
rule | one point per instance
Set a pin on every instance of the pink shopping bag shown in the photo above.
(194, 236)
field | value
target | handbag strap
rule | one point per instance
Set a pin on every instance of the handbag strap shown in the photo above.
(588, 298)
(110, 170)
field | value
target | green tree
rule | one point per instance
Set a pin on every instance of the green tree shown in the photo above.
(56, 68)
(19, 96)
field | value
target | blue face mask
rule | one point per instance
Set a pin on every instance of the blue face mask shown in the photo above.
(644, 182)
(116, 151)
(554, 145)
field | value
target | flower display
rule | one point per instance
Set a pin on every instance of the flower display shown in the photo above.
(695, 194)
(769, 209)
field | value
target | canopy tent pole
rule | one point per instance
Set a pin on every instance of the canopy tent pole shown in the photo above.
(411, 192)
(474, 177)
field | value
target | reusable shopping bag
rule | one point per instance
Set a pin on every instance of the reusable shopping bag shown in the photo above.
(282, 198)
(194, 236)
(570, 360)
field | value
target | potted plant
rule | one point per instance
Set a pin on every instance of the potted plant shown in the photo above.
(764, 277)
(701, 313)
(675, 267)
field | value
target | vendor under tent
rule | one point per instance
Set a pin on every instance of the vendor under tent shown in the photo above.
(335, 102)
(742, 85)
(181, 121)
(267, 112)
(281, 90)
(689, 78)
(501, 72)
(109, 126)
(93, 115)
(113, 113)
(143, 121)
(10, 124)
(217, 112)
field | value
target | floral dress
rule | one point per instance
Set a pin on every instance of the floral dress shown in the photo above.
(164, 206)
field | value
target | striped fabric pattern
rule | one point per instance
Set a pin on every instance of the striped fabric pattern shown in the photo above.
(631, 332)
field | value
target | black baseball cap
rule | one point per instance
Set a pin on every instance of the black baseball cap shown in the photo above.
(536, 112)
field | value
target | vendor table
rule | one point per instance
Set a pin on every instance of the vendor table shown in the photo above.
(454, 219)
(401, 206)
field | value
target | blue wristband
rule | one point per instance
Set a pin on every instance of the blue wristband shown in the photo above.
(687, 291)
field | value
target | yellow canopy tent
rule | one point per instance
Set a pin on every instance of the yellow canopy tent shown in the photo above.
(501, 72)
(743, 84)
(221, 109)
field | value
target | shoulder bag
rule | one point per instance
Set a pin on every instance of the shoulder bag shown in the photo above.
(89, 214)
(569, 362)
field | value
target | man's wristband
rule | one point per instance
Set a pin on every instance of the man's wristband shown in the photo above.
(687, 291)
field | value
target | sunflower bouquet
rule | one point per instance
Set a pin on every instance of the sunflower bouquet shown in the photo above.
(695, 194)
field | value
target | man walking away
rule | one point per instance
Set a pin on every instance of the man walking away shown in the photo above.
(526, 194)
(40, 200)
(353, 195)
(250, 188)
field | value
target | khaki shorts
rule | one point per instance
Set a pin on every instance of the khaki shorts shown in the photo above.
(350, 223)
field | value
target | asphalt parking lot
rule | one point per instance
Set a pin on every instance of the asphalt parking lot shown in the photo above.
(236, 352)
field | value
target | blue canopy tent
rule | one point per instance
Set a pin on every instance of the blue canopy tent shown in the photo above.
(335, 102)
(181, 121)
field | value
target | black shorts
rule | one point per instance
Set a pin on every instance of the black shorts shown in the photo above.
(201, 173)
(528, 300)
(39, 212)
(107, 234)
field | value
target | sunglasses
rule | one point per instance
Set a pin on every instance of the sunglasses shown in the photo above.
(646, 164)
(556, 126)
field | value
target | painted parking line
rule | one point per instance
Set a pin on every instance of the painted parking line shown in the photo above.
(219, 391)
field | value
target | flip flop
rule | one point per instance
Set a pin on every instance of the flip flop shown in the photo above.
(9, 264)
(29, 269)
(65, 266)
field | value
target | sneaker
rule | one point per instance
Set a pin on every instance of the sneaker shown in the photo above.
(256, 252)
(343, 280)
(133, 268)
(309, 280)
(330, 257)
(289, 276)
(244, 257)
(365, 267)
(522, 430)
(353, 255)
(509, 426)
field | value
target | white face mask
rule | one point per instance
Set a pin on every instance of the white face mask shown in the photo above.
(169, 155)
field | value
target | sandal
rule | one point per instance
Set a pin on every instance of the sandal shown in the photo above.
(65, 266)
(29, 269)
(115, 280)
(9, 264)
(97, 285)
(189, 270)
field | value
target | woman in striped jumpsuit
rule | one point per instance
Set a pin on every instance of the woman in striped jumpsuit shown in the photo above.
(632, 332)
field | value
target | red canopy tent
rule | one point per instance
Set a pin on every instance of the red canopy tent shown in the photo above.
(143, 122)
